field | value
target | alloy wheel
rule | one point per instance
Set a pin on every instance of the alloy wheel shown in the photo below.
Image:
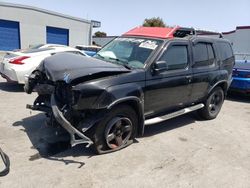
(118, 132)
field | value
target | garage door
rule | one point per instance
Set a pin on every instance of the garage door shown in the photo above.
(9, 35)
(57, 35)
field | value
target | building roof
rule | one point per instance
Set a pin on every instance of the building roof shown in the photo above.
(4, 4)
(157, 32)
(237, 28)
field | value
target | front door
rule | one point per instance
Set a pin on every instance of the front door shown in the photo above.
(170, 88)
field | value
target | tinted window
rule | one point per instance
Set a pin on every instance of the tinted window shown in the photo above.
(176, 57)
(203, 55)
(225, 50)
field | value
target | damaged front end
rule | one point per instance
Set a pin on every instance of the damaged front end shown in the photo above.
(57, 101)
(66, 105)
(59, 116)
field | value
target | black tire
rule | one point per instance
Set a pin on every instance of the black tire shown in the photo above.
(121, 123)
(213, 104)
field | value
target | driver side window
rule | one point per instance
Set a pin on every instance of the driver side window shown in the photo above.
(176, 57)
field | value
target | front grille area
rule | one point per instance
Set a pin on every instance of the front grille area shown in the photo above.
(63, 93)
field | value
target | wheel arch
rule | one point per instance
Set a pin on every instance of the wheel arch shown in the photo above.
(223, 84)
(138, 105)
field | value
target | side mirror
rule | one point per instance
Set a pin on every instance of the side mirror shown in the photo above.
(160, 66)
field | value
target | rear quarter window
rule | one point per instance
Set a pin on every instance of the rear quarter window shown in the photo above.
(225, 50)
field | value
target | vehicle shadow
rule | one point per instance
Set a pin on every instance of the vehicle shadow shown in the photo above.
(58, 148)
(50, 146)
(170, 124)
(238, 97)
(11, 87)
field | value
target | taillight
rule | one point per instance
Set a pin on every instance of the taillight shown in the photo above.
(18, 60)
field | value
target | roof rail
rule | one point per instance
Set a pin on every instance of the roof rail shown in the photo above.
(221, 35)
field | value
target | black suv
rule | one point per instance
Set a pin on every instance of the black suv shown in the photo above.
(146, 76)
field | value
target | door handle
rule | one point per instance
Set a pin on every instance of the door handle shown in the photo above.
(189, 78)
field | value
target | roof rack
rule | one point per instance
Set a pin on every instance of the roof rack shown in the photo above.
(161, 32)
(184, 32)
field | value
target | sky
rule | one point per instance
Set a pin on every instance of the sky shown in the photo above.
(117, 16)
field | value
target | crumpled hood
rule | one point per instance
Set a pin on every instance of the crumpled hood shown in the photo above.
(68, 67)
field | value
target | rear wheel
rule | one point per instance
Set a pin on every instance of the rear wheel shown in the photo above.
(213, 104)
(116, 131)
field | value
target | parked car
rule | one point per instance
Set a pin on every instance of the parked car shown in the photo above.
(89, 50)
(15, 66)
(38, 46)
(241, 77)
(146, 76)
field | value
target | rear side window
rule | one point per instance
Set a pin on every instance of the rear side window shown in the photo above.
(203, 55)
(225, 50)
(176, 57)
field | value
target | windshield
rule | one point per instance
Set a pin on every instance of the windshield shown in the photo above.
(131, 52)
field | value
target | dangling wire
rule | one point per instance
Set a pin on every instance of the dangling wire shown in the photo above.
(6, 162)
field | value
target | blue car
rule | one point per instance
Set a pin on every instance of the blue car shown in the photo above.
(241, 77)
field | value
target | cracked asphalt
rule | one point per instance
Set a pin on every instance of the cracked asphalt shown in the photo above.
(182, 152)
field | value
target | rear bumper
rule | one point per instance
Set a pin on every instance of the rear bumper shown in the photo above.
(7, 73)
(8, 79)
(14, 73)
(68, 127)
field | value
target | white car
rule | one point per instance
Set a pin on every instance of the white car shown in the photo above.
(38, 46)
(15, 66)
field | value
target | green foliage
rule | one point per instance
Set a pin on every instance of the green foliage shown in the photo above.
(154, 22)
(100, 34)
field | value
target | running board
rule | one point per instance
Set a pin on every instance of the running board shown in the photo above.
(173, 114)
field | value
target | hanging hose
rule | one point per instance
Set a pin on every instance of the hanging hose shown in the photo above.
(6, 162)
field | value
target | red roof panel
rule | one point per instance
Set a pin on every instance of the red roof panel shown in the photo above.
(157, 32)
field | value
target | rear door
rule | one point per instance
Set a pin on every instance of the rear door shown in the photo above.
(205, 68)
(171, 88)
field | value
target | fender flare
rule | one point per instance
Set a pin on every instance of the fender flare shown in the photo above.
(217, 83)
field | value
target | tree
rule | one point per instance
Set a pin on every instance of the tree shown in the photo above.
(100, 34)
(154, 22)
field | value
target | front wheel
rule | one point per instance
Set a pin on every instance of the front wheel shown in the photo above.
(213, 104)
(116, 131)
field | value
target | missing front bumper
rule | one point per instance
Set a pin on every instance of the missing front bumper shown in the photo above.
(68, 127)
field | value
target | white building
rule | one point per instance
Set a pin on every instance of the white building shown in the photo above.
(22, 26)
(240, 38)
